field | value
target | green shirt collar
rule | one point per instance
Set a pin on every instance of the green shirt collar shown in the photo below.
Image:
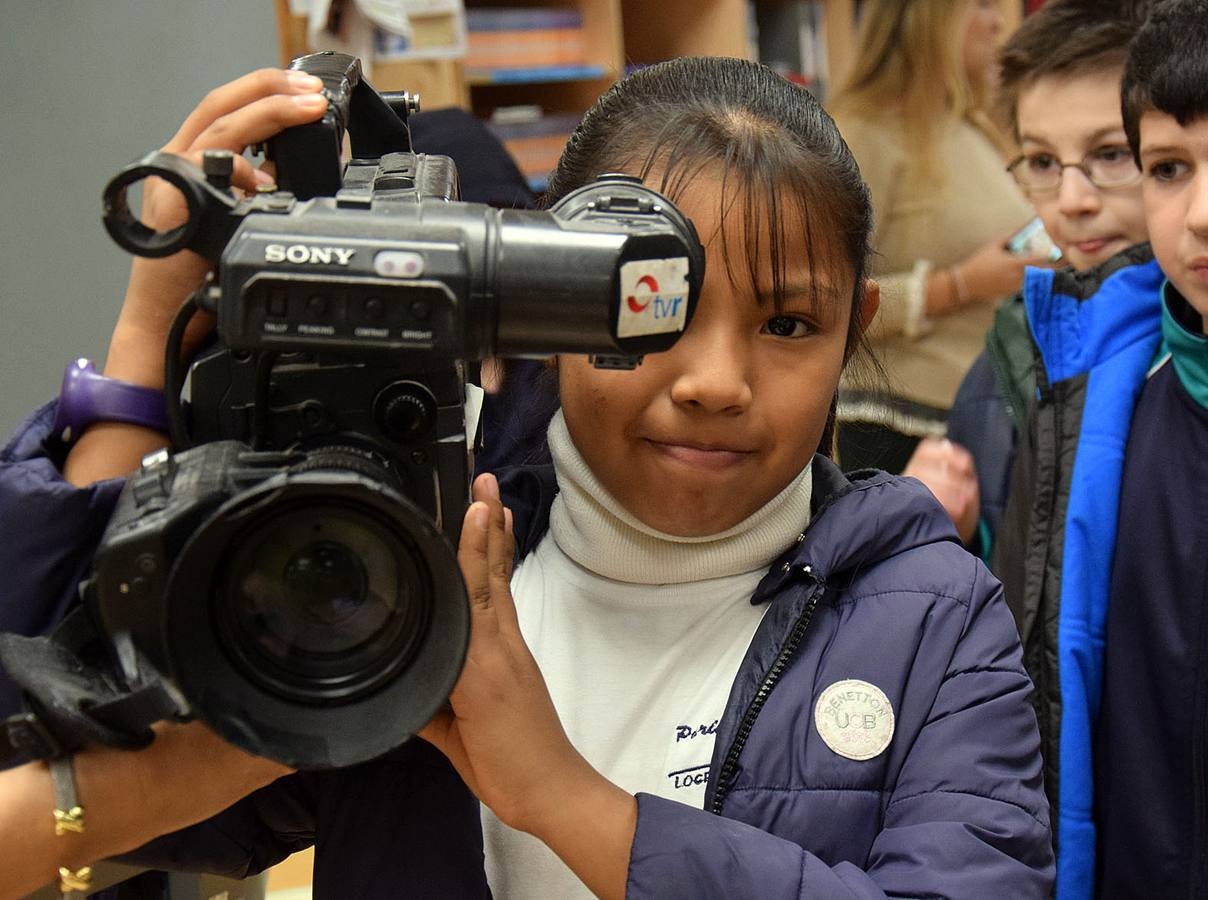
(1188, 348)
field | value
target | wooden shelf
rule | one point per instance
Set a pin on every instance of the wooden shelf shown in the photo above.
(615, 34)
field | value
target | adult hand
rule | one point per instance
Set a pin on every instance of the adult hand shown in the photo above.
(991, 272)
(947, 469)
(232, 117)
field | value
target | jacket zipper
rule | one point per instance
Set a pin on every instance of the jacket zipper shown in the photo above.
(729, 767)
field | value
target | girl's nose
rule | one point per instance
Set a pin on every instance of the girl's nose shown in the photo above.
(713, 373)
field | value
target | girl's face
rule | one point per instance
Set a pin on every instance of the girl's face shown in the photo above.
(698, 438)
(982, 25)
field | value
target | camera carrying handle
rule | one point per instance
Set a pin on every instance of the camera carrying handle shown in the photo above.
(71, 701)
(210, 205)
(308, 157)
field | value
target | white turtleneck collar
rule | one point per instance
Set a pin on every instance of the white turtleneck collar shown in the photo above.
(593, 529)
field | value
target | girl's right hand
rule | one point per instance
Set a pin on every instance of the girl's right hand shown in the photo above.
(232, 117)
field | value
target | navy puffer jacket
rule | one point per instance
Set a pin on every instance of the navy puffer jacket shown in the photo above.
(877, 592)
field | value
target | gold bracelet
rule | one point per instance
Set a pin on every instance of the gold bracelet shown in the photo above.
(959, 286)
(69, 819)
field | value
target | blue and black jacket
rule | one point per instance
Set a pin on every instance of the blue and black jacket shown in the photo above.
(1096, 334)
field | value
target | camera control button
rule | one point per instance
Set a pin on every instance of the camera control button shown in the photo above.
(278, 303)
(317, 304)
(399, 264)
(421, 310)
(374, 308)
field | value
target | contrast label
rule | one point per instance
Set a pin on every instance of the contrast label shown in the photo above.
(854, 718)
(654, 297)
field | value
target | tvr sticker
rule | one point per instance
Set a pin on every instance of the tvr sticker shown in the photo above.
(654, 297)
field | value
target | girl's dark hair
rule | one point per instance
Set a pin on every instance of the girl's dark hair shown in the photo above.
(1167, 69)
(780, 157)
(772, 141)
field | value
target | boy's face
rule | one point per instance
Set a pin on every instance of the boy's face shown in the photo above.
(1068, 120)
(1174, 160)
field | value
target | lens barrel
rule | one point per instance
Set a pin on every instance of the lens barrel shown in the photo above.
(318, 618)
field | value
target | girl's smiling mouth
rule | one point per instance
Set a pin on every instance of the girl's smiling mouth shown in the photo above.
(700, 455)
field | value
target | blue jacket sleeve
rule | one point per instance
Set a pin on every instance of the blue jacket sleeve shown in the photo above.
(48, 531)
(964, 818)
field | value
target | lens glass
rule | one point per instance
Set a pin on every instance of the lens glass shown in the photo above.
(322, 601)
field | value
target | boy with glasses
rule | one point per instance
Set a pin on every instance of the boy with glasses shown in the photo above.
(1102, 547)
(1060, 89)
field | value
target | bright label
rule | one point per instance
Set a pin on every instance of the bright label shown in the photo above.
(654, 297)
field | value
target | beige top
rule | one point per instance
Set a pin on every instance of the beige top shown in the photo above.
(920, 226)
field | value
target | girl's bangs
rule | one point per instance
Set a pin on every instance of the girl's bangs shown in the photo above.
(778, 193)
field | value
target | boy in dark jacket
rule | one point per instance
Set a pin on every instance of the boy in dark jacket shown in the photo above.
(1101, 548)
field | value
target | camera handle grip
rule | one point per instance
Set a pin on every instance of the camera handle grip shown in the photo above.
(208, 206)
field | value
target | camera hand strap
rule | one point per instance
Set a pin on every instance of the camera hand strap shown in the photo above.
(71, 702)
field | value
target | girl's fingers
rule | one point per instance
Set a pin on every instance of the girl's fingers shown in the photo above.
(234, 95)
(473, 556)
(485, 555)
(500, 547)
(259, 121)
(243, 174)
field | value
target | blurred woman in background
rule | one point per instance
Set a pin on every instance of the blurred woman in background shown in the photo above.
(913, 110)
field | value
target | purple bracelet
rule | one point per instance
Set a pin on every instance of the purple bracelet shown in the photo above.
(88, 397)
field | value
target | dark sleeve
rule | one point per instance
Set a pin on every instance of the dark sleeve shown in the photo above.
(401, 825)
(248, 837)
(981, 423)
(48, 531)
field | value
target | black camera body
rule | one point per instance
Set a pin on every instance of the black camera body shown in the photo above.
(288, 572)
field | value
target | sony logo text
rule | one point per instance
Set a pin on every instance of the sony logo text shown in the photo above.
(302, 254)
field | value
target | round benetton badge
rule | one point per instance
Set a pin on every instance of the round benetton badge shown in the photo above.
(854, 718)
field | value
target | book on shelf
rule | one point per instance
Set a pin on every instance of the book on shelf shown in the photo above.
(528, 38)
(535, 139)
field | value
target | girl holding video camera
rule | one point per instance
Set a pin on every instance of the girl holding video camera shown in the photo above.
(702, 661)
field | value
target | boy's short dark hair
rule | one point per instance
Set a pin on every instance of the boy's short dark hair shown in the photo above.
(1068, 38)
(1167, 67)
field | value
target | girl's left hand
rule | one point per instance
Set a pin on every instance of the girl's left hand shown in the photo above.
(501, 731)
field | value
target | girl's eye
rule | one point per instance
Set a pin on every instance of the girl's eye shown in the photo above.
(1168, 170)
(787, 327)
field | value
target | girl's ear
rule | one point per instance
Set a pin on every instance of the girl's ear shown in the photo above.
(870, 304)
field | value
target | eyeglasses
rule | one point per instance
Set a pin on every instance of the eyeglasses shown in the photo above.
(1105, 167)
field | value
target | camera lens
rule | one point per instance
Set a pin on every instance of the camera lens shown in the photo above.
(322, 602)
(317, 616)
(326, 582)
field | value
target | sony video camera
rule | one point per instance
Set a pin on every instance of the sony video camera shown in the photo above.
(288, 572)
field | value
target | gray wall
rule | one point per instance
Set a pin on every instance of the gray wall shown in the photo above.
(85, 87)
